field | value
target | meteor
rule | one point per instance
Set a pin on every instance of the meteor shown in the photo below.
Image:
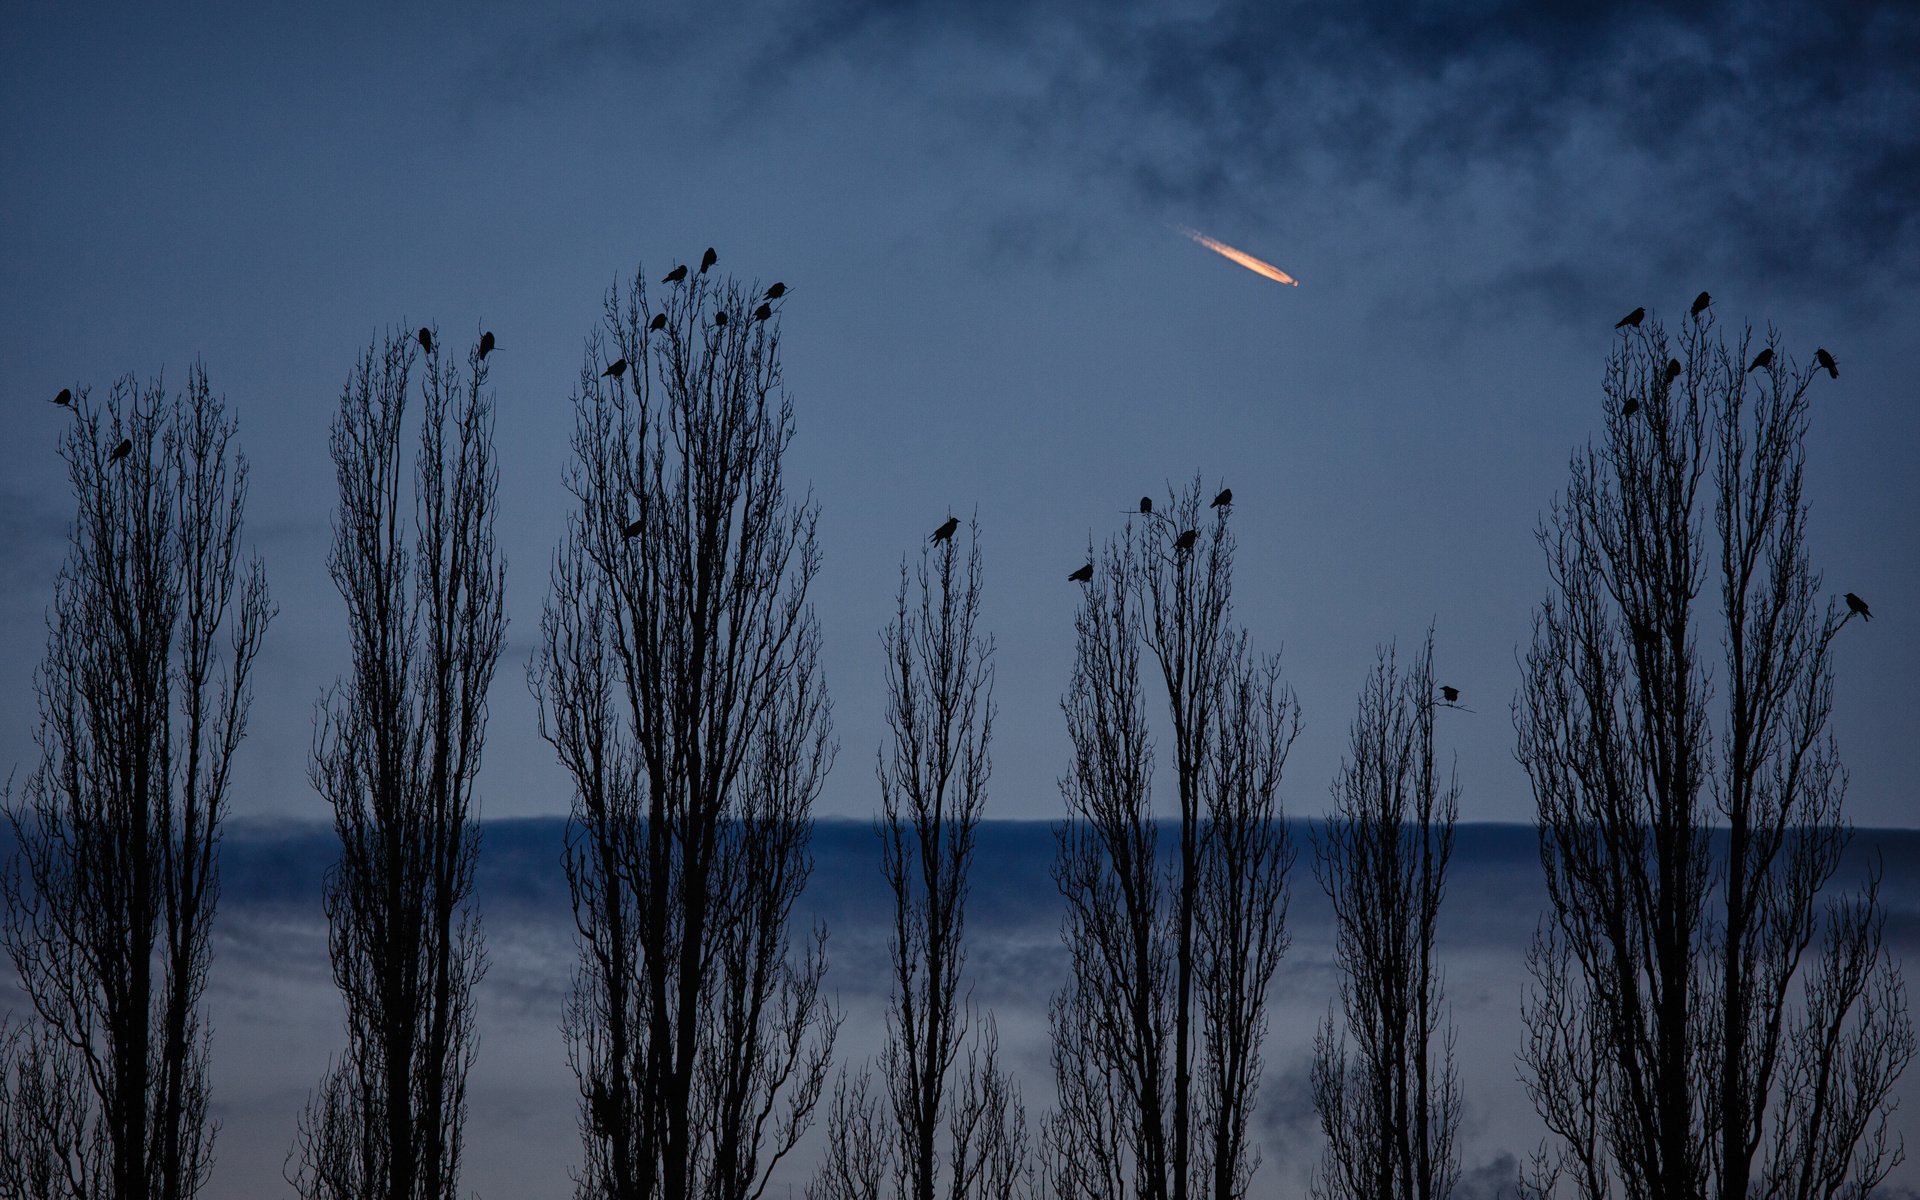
(1240, 256)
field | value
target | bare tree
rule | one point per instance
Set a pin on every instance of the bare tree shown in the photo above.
(110, 898)
(678, 678)
(1682, 1041)
(396, 751)
(932, 796)
(1391, 1109)
(1172, 951)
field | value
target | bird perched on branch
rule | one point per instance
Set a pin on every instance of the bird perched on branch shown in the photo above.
(945, 531)
(658, 323)
(763, 312)
(708, 259)
(1856, 605)
(776, 291)
(1826, 360)
(1185, 540)
(486, 344)
(1083, 574)
(1223, 500)
(65, 397)
(676, 275)
(720, 318)
(1700, 304)
(1673, 370)
(632, 528)
(1146, 504)
(1762, 359)
(426, 339)
(616, 369)
(1633, 318)
(126, 447)
(1449, 694)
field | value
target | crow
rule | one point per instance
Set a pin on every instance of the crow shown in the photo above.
(65, 397)
(1673, 369)
(1185, 540)
(763, 312)
(426, 339)
(945, 531)
(1631, 407)
(676, 275)
(617, 369)
(1146, 504)
(632, 528)
(1633, 318)
(776, 291)
(1223, 500)
(1854, 605)
(1826, 360)
(1450, 694)
(1083, 574)
(659, 322)
(1700, 304)
(708, 259)
(126, 447)
(486, 344)
(1762, 359)
(720, 319)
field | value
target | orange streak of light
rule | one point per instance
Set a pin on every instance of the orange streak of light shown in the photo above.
(1240, 256)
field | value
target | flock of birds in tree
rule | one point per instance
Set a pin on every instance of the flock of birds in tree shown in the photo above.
(1761, 361)
(618, 367)
(1185, 542)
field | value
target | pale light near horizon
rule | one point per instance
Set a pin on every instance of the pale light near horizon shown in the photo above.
(1246, 260)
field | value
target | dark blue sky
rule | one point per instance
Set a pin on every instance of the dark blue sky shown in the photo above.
(972, 206)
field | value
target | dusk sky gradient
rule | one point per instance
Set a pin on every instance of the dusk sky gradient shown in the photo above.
(992, 309)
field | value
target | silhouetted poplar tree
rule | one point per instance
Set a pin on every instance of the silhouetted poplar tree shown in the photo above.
(678, 679)
(110, 899)
(932, 795)
(1156, 1040)
(1390, 1109)
(396, 751)
(1687, 1036)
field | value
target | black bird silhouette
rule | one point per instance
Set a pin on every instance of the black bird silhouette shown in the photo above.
(763, 312)
(66, 396)
(1633, 318)
(708, 259)
(486, 344)
(1449, 694)
(1223, 500)
(1760, 360)
(659, 322)
(1631, 407)
(631, 528)
(945, 531)
(1083, 574)
(1146, 504)
(720, 318)
(616, 369)
(676, 275)
(426, 339)
(1856, 605)
(1673, 369)
(776, 291)
(1700, 303)
(1826, 360)
(126, 447)
(1185, 540)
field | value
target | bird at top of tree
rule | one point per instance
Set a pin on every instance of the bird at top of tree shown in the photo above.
(126, 447)
(1856, 605)
(708, 259)
(1700, 304)
(1761, 360)
(946, 530)
(1223, 500)
(763, 312)
(1449, 694)
(1633, 318)
(776, 291)
(1146, 504)
(486, 344)
(1083, 574)
(426, 339)
(658, 323)
(1185, 540)
(616, 368)
(1826, 360)
(66, 396)
(676, 275)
